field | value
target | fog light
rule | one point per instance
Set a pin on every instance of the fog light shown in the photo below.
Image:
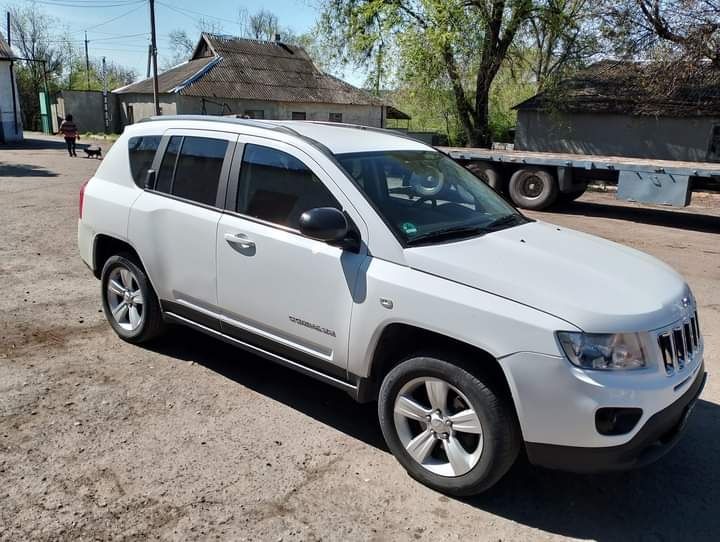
(616, 421)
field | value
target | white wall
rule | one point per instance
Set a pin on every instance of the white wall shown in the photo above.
(7, 125)
(366, 115)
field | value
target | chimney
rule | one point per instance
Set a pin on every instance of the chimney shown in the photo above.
(277, 37)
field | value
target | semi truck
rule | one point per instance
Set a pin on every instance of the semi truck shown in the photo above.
(538, 180)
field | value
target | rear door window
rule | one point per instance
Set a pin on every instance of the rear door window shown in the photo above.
(141, 151)
(191, 168)
(167, 167)
(197, 173)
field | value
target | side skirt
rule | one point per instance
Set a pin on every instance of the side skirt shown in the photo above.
(357, 389)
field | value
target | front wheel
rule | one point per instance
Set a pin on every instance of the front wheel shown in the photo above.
(451, 428)
(129, 302)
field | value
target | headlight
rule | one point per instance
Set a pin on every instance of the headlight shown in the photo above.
(619, 351)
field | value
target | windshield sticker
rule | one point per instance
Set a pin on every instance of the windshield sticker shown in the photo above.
(409, 228)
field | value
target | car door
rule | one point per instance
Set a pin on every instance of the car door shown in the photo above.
(281, 291)
(173, 223)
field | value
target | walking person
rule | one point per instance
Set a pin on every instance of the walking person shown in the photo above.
(69, 130)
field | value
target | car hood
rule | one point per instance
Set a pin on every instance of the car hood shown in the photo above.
(594, 284)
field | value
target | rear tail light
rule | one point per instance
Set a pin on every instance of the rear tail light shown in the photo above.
(82, 198)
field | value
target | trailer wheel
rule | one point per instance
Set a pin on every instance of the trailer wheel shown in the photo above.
(533, 188)
(489, 175)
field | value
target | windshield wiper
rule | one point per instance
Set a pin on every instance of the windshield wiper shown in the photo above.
(507, 220)
(447, 233)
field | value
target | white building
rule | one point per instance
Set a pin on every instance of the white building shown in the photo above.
(10, 116)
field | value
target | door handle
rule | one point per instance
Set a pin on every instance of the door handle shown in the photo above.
(239, 239)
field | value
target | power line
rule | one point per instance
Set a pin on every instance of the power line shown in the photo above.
(115, 18)
(189, 13)
(75, 4)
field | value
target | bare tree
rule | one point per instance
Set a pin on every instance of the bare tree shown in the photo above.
(40, 40)
(682, 29)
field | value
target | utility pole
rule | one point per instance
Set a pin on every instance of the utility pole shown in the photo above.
(106, 112)
(149, 61)
(153, 44)
(9, 40)
(87, 62)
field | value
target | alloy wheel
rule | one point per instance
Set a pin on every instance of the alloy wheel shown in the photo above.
(125, 299)
(438, 426)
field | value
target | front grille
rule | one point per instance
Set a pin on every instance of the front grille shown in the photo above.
(678, 344)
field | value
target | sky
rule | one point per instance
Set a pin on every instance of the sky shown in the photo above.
(120, 29)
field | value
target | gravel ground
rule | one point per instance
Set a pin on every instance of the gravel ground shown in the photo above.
(193, 439)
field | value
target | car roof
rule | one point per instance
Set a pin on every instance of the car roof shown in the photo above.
(338, 138)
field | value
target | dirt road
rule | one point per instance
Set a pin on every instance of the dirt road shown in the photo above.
(194, 439)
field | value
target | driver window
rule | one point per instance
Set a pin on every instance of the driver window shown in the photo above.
(277, 187)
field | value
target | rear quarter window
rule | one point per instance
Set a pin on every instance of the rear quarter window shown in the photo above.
(141, 152)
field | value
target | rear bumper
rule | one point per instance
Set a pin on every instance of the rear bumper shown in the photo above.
(657, 437)
(85, 238)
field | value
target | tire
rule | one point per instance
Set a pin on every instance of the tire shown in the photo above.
(489, 175)
(498, 442)
(533, 188)
(128, 279)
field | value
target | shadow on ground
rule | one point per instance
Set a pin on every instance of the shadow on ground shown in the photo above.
(32, 141)
(25, 170)
(674, 499)
(645, 215)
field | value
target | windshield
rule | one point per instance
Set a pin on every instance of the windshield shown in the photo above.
(426, 197)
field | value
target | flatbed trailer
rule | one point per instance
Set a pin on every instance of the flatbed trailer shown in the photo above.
(537, 180)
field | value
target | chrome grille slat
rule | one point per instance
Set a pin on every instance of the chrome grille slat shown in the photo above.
(679, 344)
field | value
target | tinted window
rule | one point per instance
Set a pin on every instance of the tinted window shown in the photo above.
(277, 187)
(198, 169)
(142, 152)
(167, 167)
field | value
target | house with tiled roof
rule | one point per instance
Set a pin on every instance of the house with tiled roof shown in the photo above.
(259, 79)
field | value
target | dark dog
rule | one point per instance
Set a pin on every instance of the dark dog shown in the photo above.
(93, 152)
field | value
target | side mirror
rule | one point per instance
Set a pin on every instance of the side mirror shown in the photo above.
(150, 179)
(324, 224)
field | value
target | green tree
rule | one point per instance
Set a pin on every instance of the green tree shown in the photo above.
(464, 41)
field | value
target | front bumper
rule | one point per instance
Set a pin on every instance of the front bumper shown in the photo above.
(656, 437)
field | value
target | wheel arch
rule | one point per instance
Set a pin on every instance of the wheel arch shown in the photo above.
(398, 341)
(105, 246)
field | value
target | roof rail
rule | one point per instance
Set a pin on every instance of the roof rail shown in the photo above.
(230, 119)
(238, 120)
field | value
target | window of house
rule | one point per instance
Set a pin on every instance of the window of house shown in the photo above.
(191, 168)
(255, 113)
(335, 117)
(297, 115)
(278, 188)
(141, 151)
(130, 115)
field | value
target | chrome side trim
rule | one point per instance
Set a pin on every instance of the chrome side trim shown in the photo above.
(347, 386)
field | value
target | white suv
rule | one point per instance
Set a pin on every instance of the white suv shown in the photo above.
(377, 264)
